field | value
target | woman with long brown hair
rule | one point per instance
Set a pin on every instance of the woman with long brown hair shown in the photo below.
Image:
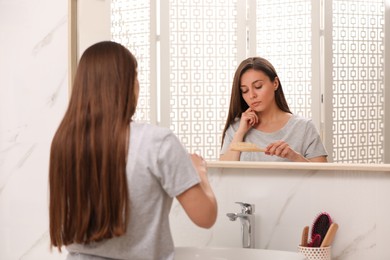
(112, 180)
(259, 114)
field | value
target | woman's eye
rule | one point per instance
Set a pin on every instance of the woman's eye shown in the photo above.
(258, 87)
(243, 91)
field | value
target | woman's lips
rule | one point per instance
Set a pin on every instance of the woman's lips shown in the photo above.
(255, 104)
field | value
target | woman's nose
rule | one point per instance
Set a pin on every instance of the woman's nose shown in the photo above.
(252, 93)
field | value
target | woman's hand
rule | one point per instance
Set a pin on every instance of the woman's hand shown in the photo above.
(283, 150)
(199, 201)
(199, 163)
(248, 119)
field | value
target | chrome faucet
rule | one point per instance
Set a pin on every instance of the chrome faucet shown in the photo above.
(247, 219)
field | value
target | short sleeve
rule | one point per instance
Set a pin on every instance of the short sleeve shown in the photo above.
(228, 139)
(313, 141)
(176, 171)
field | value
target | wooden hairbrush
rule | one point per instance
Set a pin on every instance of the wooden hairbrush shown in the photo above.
(245, 147)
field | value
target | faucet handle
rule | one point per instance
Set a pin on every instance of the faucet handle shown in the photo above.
(247, 208)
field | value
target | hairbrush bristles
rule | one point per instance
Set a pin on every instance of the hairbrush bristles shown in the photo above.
(320, 226)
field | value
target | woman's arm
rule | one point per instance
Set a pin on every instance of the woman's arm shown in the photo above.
(230, 155)
(283, 150)
(248, 120)
(199, 201)
(319, 159)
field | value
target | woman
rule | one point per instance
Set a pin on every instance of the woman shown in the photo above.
(259, 114)
(112, 180)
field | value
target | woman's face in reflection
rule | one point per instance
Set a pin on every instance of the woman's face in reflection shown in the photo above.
(258, 90)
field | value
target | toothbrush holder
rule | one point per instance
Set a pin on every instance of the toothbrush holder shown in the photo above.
(316, 253)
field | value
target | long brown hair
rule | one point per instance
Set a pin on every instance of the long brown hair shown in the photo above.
(89, 198)
(237, 102)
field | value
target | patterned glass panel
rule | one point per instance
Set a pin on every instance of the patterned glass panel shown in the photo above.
(358, 81)
(130, 26)
(203, 60)
(284, 38)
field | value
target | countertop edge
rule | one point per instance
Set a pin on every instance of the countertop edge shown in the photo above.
(301, 166)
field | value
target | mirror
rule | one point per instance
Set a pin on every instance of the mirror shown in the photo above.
(94, 26)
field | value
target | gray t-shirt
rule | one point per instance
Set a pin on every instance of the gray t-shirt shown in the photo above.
(300, 133)
(158, 169)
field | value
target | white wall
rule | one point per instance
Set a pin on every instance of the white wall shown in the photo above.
(33, 97)
(93, 26)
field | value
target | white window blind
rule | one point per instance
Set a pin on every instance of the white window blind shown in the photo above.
(358, 81)
(203, 47)
(131, 25)
(283, 30)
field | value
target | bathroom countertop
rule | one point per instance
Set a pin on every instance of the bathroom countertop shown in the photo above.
(301, 166)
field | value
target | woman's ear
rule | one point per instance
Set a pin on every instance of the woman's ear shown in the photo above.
(276, 83)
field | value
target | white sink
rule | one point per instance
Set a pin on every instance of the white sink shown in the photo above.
(215, 253)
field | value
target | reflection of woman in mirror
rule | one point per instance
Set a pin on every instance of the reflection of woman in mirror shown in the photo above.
(259, 114)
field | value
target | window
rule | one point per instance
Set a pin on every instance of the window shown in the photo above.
(329, 56)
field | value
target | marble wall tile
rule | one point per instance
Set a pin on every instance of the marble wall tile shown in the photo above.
(33, 98)
(287, 200)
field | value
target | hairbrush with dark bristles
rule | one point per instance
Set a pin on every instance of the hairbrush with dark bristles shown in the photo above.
(319, 229)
